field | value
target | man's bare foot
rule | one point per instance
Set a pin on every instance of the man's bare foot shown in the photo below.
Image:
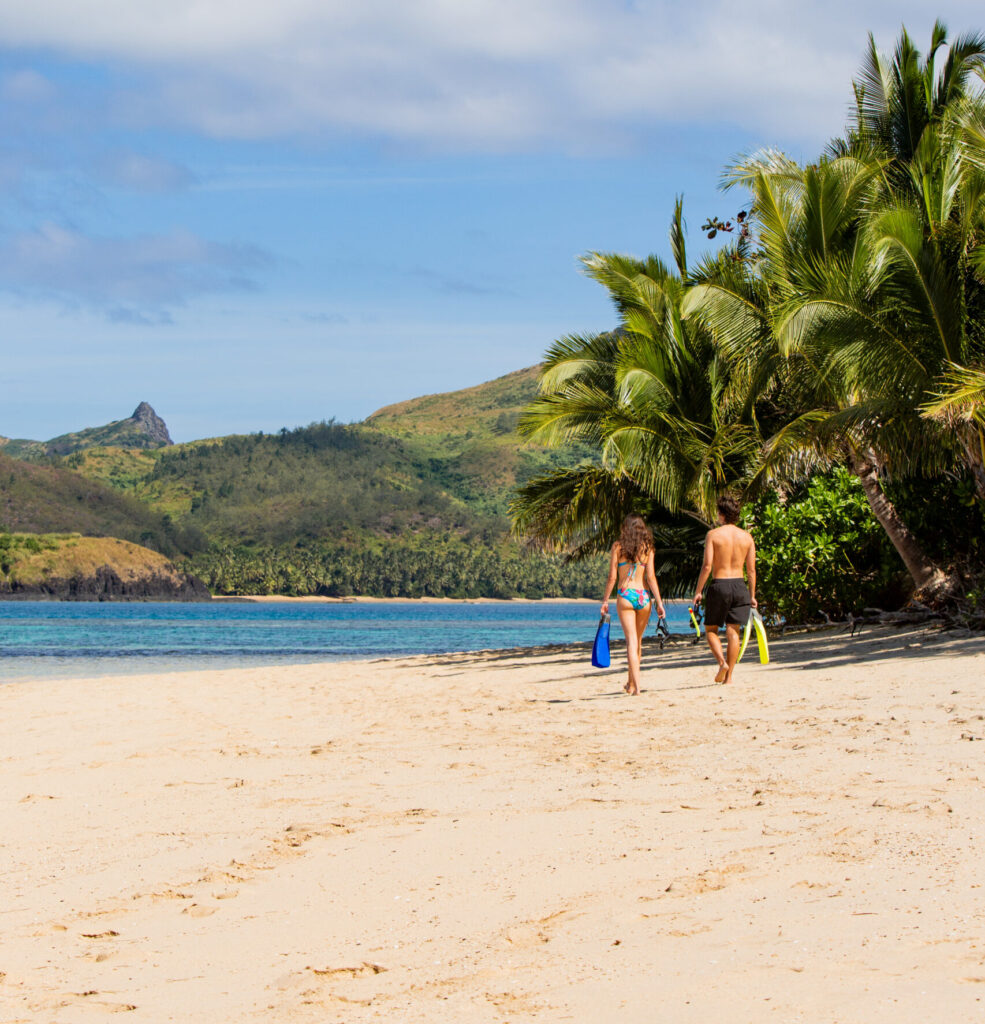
(728, 678)
(722, 673)
(634, 692)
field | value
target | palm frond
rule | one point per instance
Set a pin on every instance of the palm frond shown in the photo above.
(959, 392)
(678, 237)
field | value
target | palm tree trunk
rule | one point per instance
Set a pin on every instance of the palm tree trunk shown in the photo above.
(928, 578)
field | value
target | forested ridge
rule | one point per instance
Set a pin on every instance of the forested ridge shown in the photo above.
(412, 502)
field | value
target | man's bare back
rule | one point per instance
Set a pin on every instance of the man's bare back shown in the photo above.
(730, 550)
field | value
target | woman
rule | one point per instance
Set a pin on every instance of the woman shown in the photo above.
(631, 566)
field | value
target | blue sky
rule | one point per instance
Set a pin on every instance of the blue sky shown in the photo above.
(256, 214)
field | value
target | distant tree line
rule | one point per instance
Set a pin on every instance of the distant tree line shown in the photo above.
(421, 566)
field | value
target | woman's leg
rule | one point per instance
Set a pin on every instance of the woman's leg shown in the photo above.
(642, 618)
(627, 619)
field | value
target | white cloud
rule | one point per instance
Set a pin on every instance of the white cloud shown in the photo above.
(479, 73)
(135, 279)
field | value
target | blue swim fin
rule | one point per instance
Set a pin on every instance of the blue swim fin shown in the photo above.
(600, 649)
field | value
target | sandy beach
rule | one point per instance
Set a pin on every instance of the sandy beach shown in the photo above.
(496, 838)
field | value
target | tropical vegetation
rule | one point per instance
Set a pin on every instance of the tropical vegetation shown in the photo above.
(838, 335)
(419, 565)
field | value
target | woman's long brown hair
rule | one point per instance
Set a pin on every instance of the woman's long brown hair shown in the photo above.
(635, 540)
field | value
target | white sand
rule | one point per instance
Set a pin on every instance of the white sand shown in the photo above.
(486, 838)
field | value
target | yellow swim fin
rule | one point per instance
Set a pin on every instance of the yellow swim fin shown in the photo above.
(764, 647)
(756, 623)
(746, 633)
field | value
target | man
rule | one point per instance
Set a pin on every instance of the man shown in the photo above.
(727, 549)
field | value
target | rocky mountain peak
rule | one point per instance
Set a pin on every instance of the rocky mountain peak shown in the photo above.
(151, 424)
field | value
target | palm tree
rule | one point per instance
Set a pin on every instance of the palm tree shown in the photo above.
(926, 122)
(656, 402)
(903, 104)
(866, 301)
(798, 318)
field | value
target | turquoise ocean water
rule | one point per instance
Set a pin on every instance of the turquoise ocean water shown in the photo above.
(49, 638)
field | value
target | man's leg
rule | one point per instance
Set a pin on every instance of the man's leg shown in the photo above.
(734, 642)
(711, 635)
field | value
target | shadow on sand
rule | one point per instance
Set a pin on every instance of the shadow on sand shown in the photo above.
(804, 651)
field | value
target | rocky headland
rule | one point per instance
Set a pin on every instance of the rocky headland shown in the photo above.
(75, 568)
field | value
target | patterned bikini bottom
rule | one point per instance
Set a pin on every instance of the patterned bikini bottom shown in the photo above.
(639, 599)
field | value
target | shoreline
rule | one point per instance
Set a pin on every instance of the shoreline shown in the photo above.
(140, 666)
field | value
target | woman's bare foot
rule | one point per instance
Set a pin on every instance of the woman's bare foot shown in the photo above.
(722, 673)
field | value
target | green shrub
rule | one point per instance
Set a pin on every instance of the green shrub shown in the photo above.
(821, 551)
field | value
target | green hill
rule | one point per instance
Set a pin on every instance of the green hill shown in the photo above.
(144, 429)
(21, 447)
(487, 410)
(445, 462)
(469, 438)
(53, 499)
(326, 481)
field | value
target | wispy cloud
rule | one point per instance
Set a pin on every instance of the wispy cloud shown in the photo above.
(482, 74)
(26, 86)
(136, 280)
(332, 319)
(452, 285)
(142, 173)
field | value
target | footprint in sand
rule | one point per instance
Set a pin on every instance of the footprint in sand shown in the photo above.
(88, 999)
(223, 876)
(98, 958)
(706, 881)
(48, 929)
(365, 969)
(512, 1003)
(322, 992)
(197, 910)
(166, 894)
(531, 934)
